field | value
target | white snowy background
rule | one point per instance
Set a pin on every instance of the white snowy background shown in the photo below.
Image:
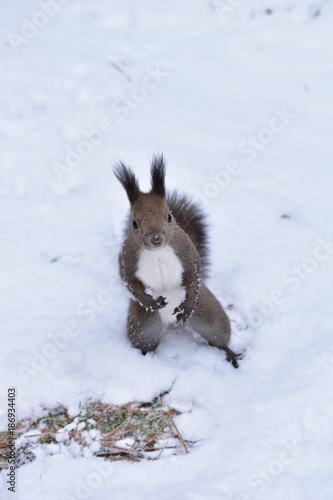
(239, 97)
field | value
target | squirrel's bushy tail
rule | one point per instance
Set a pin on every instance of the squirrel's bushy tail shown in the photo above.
(192, 220)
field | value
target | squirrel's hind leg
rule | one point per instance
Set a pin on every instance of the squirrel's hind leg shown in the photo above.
(144, 328)
(211, 322)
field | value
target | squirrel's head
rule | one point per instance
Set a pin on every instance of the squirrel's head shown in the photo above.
(151, 224)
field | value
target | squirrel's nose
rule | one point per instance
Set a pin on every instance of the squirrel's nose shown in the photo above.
(156, 239)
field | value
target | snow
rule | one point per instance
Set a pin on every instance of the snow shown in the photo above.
(240, 101)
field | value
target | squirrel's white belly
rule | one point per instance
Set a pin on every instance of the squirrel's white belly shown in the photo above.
(161, 272)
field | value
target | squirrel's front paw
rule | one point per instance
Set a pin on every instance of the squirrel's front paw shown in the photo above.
(159, 303)
(183, 313)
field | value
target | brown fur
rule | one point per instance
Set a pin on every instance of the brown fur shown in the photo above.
(157, 220)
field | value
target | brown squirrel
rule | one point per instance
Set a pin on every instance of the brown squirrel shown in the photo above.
(163, 262)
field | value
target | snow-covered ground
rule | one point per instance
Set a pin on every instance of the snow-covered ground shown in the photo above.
(239, 97)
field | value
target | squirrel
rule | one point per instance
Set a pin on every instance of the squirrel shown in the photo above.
(163, 262)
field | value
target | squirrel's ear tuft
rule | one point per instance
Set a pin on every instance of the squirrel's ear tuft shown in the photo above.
(157, 171)
(128, 180)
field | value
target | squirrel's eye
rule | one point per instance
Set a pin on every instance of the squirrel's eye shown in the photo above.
(135, 225)
(169, 218)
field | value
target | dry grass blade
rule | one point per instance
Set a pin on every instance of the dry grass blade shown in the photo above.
(180, 436)
(100, 418)
(115, 431)
(160, 453)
